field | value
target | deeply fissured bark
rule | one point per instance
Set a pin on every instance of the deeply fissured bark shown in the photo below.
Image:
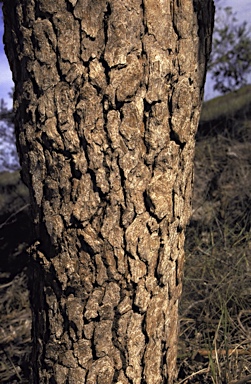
(107, 100)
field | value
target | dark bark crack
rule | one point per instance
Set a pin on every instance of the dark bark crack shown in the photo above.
(107, 15)
(175, 137)
(142, 6)
(106, 67)
(150, 207)
(86, 247)
(104, 63)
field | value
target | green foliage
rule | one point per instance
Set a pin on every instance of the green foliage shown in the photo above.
(230, 61)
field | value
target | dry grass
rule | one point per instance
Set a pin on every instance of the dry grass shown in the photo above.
(15, 329)
(215, 311)
(15, 316)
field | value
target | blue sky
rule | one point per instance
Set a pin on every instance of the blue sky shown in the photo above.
(241, 7)
(5, 74)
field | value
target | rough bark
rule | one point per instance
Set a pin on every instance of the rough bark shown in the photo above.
(107, 100)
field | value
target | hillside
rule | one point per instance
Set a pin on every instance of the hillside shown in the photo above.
(215, 308)
(215, 311)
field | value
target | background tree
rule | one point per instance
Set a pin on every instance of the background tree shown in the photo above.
(230, 61)
(8, 153)
(107, 100)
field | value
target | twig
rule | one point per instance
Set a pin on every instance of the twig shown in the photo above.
(244, 380)
(195, 374)
(2, 286)
(223, 352)
(13, 214)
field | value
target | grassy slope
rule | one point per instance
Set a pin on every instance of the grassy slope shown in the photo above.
(232, 104)
(215, 308)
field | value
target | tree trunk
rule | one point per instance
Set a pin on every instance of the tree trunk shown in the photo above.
(107, 101)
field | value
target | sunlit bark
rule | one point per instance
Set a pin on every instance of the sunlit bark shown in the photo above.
(107, 100)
